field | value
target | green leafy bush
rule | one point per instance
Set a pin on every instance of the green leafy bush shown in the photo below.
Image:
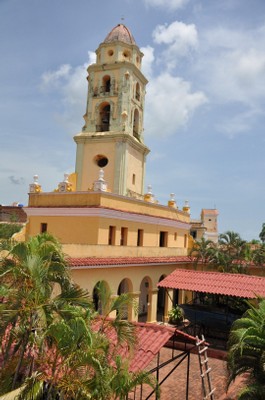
(7, 230)
(176, 315)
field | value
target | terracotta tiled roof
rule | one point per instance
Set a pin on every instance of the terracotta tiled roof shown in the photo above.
(98, 262)
(150, 339)
(120, 33)
(247, 286)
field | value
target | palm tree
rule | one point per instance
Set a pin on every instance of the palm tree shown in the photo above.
(85, 364)
(258, 256)
(29, 274)
(233, 253)
(202, 250)
(262, 234)
(58, 343)
(246, 352)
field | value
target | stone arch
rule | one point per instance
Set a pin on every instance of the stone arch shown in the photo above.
(95, 296)
(144, 299)
(125, 286)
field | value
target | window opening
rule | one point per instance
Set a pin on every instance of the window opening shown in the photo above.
(140, 237)
(163, 239)
(124, 236)
(43, 227)
(136, 124)
(106, 84)
(137, 91)
(101, 160)
(193, 234)
(112, 232)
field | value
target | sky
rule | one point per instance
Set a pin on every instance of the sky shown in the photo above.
(204, 111)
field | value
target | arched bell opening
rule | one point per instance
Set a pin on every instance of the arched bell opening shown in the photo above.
(137, 91)
(106, 84)
(136, 124)
(103, 122)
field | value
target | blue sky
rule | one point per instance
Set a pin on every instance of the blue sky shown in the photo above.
(204, 114)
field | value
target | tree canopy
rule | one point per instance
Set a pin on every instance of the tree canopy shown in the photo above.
(49, 344)
(230, 254)
(246, 352)
(262, 233)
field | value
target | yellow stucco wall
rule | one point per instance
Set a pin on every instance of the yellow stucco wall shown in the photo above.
(108, 200)
(90, 169)
(88, 278)
(135, 167)
(66, 229)
(95, 231)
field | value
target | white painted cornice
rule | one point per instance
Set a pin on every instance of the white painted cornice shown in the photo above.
(104, 213)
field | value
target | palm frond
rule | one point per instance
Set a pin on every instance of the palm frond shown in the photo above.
(33, 388)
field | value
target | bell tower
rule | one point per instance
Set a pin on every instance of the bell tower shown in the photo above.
(112, 137)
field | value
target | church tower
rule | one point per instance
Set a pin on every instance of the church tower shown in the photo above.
(112, 137)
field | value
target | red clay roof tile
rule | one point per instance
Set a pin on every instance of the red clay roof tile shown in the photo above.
(92, 262)
(150, 339)
(247, 286)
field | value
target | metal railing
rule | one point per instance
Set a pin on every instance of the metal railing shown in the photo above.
(102, 128)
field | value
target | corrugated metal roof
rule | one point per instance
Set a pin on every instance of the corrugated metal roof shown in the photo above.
(94, 262)
(240, 285)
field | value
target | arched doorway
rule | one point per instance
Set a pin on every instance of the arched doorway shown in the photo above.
(161, 300)
(125, 286)
(144, 299)
(96, 295)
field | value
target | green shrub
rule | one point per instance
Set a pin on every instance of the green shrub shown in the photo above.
(7, 230)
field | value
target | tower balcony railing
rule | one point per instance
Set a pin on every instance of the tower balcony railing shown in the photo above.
(111, 90)
(102, 128)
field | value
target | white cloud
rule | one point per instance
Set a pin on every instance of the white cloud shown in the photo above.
(148, 60)
(170, 104)
(16, 180)
(167, 4)
(54, 78)
(234, 64)
(180, 40)
(238, 123)
(70, 83)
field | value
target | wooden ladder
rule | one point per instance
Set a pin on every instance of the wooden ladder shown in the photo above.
(208, 391)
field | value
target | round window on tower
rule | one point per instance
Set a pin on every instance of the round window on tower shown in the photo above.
(101, 160)
(126, 54)
(110, 52)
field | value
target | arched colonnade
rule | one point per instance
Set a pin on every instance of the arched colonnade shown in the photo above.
(152, 303)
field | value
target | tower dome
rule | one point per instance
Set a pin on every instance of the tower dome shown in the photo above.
(120, 33)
